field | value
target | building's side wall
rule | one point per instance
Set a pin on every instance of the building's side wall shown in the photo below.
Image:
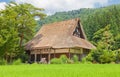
(56, 53)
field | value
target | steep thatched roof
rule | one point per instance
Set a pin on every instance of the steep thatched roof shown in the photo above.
(59, 35)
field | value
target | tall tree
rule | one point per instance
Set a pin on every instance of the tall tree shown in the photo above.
(105, 50)
(25, 19)
(17, 25)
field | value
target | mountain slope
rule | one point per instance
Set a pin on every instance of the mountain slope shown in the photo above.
(92, 19)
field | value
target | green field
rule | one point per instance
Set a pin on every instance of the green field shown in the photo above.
(65, 70)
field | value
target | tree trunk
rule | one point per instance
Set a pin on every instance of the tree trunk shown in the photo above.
(10, 57)
(21, 39)
(6, 57)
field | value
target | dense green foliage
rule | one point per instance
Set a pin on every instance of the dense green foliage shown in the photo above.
(66, 70)
(105, 51)
(17, 25)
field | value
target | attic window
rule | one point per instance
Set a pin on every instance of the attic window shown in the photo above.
(77, 32)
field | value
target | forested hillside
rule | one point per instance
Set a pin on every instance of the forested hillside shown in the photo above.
(92, 19)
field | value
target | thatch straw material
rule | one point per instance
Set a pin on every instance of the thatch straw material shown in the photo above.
(59, 35)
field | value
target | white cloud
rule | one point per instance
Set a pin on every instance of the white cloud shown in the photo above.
(2, 5)
(52, 6)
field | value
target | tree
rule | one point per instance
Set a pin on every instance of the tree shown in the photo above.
(17, 27)
(104, 42)
(25, 19)
(117, 42)
(104, 38)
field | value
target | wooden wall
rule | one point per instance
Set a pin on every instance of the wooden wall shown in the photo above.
(56, 53)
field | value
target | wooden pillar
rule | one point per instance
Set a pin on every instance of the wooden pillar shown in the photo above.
(49, 54)
(40, 55)
(30, 57)
(69, 54)
(74, 52)
(35, 60)
(82, 52)
(54, 53)
(79, 56)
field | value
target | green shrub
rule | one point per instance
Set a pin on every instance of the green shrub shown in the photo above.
(17, 62)
(107, 57)
(89, 57)
(56, 61)
(70, 61)
(101, 56)
(118, 56)
(85, 61)
(75, 59)
(22, 55)
(3, 62)
(64, 59)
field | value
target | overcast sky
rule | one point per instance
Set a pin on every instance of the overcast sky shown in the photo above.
(52, 6)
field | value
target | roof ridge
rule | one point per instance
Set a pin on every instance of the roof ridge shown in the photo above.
(57, 22)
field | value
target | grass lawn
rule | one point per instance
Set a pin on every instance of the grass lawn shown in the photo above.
(65, 70)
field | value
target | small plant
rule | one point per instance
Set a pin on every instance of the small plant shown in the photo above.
(70, 61)
(3, 62)
(56, 61)
(17, 62)
(85, 61)
(117, 56)
(75, 59)
(64, 59)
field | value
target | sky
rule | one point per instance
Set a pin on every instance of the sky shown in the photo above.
(53, 6)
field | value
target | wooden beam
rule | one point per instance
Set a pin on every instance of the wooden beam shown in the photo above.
(69, 54)
(49, 53)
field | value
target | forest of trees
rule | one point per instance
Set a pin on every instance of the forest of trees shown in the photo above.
(101, 25)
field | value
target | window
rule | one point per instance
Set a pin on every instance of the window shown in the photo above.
(77, 31)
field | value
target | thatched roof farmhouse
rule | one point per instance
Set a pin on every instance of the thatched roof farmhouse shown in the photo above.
(52, 40)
